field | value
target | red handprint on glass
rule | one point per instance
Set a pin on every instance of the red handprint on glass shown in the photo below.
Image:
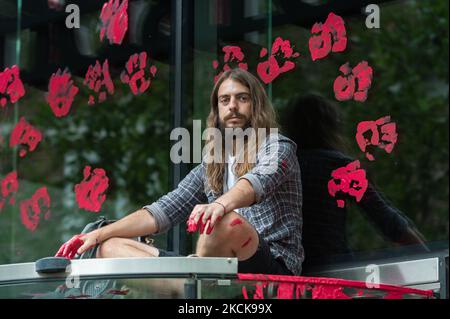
(61, 92)
(331, 37)
(349, 180)
(11, 86)
(32, 209)
(96, 78)
(386, 141)
(269, 70)
(89, 194)
(135, 73)
(26, 135)
(355, 83)
(232, 54)
(8, 188)
(114, 18)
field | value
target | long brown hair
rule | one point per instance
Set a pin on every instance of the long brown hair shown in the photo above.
(262, 117)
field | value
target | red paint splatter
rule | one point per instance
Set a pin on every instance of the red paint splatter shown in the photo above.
(236, 222)
(119, 292)
(90, 193)
(387, 140)
(25, 134)
(247, 242)
(233, 55)
(355, 83)
(8, 188)
(285, 291)
(11, 86)
(269, 70)
(70, 248)
(135, 71)
(31, 209)
(349, 180)
(331, 36)
(97, 77)
(61, 92)
(114, 18)
(324, 288)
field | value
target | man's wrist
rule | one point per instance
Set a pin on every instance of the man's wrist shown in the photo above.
(223, 206)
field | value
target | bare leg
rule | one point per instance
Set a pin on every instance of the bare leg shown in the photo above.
(125, 247)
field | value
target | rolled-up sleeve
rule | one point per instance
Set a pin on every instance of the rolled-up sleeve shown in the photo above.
(174, 207)
(275, 161)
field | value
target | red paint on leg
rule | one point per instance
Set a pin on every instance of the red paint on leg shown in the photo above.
(247, 242)
(236, 222)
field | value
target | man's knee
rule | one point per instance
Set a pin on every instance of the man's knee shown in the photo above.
(228, 235)
(107, 248)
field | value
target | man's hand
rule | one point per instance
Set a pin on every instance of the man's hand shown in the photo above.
(78, 244)
(205, 217)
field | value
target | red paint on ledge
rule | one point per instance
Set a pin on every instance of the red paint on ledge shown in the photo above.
(290, 287)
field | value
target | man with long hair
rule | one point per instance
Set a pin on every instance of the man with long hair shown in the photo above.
(245, 197)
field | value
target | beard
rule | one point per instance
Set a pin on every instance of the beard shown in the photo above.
(222, 123)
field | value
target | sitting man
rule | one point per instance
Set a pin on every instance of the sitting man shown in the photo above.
(253, 209)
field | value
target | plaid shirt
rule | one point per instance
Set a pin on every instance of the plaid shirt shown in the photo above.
(277, 212)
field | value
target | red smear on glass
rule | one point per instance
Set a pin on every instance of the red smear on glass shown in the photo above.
(349, 180)
(386, 141)
(61, 92)
(8, 188)
(90, 193)
(32, 209)
(98, 79)
(328, 37)
(353, 84)
(235, 222)
(114, 18)
(247, 242)
(119, 292)
(270, 69)
(135, 73)
(25, 134)
(233, 55)
(11, 86)
(323, 288)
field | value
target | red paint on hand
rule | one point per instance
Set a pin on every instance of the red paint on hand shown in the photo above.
(61, 92)
(387, 140)
(70, 248)
(98, 79)
(233, 55)
(349, 180)
(90, 193)
(330, 36)
(354, 84)
(11, 86)
(270, 69)
(32, 209)
(25, 134)
(235, 222)
(114, 18)
(135, 71)
(8, 188)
